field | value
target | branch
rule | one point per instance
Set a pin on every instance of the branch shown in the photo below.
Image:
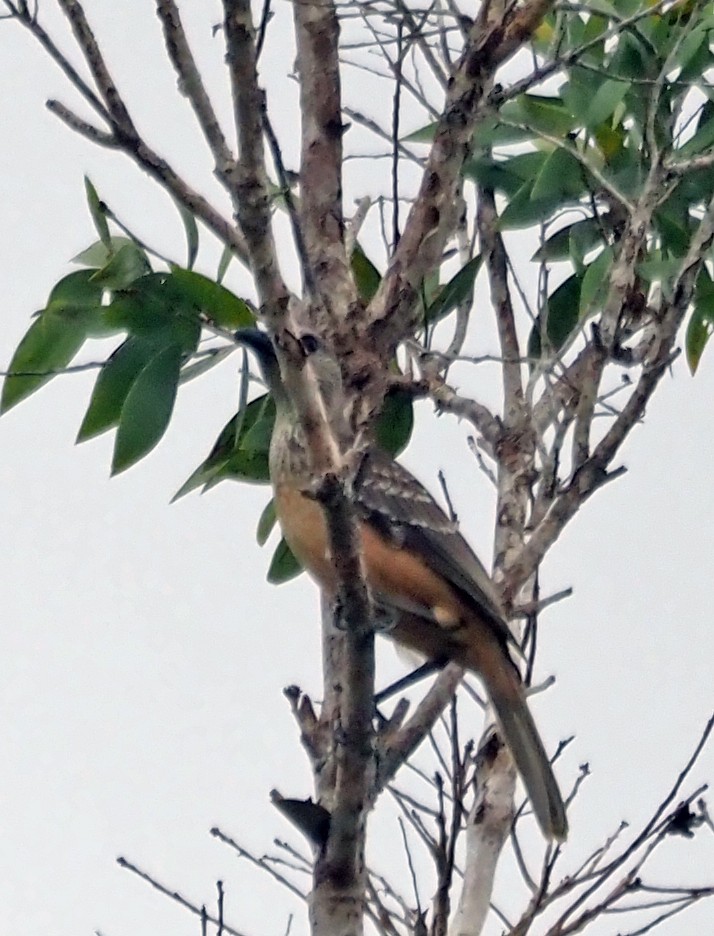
(321, 217)
(432, 216)
(427, 713)
(89, 47)
(191, 85)
(251, 183)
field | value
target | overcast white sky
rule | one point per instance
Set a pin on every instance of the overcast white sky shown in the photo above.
(142, 654)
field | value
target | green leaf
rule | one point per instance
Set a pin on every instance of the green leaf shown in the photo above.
(205, 361)
(422, 135)
(98, 254)
(367, 276)
(77, 299)
(125, 266)
(283, 566)
(455, 291)
(155, 304)
(604, 101)
(98, 211)
(505, 175)
(701, 323)
(561, 175)
(522, 210)
(596, 282)
(115, 379)
(546, 114)
(48, 346)
(584, 234)
(266, 523)
(147, 409)
(224, 263)
(394, 426)
(219, 304)
(191, 229)
(561, 317)
(241, 451)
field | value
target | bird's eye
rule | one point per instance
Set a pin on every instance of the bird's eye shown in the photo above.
(310, 343)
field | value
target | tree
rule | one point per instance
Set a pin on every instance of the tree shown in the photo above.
(616, 185)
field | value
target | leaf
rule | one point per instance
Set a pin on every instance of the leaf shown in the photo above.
(422, 135)
(596, 282)
(541, 112)
(115, 379)
(98, 254)
(77, 298)
(366, 275)
(191, 229)
(585, 234)
(128, 264)
(266, 523)
(283, 566)
(219, 304)
(561, 317)
(561, 175)
(153, 304)
(603, 103)
(394, 426)
(49, 345)
(522, 210)
(241, 450)
(701, 323)
(147, 409)
(205, 362)
(455, 291)
(97, 209)
(224, 263)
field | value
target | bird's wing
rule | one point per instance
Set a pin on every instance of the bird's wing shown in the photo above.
(399, 507)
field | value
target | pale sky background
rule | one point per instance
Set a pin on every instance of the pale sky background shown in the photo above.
(142, 654)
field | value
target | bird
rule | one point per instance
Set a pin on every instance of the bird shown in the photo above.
(422, 574)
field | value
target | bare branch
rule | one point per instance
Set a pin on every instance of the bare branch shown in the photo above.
(251, 183)
(322, 222)
(191, 85)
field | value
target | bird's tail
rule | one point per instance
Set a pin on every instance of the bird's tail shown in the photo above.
(521, 735)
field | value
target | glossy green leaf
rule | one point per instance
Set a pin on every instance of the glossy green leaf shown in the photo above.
(76, 298)
(219, 304)
(596, 282)
(583, 234)
(455, 291)
(700, 326)
(367, 276)
(541, 112)
(394, 426)
(115, 379)
(561, 318)
(97, 209)
(283, 566)
(98, 254)
(422, 135)
(154, 304)
(191, 230)
(224, 263)
(266, 523)
(46, 348)
(123, 268)
(204, 362)
(505, 175)
(241, 451)
(604, 101)
(561, 175)
(147, 408)
(523, 211)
